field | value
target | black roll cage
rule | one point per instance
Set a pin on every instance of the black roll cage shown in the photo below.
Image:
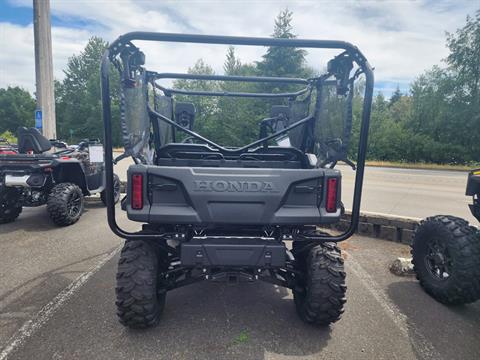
(124, 42)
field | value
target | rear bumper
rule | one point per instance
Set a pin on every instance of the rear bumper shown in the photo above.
(255, 253)
(233, 196)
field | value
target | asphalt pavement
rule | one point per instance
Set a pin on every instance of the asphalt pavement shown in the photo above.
(57, 302)
(410, 192)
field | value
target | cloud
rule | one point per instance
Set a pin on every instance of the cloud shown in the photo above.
(17, 64)
(401, 39)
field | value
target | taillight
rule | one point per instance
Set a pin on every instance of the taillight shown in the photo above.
(332, 195)
(137, 191)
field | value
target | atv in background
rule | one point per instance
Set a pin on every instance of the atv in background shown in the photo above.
(446, 253)
(6, 148)
(34, 177)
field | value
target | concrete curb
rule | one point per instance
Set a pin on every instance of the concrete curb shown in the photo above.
(381, 226)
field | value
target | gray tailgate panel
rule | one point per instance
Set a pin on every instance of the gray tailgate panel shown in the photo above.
(250, 196)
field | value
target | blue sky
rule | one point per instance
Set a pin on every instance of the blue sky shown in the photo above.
(21, 14)
(401, 38)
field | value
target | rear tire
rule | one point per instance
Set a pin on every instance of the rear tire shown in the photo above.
(65, 204)
(116, 191)
(10, 206)
(446, 259)
(140, 300)
(320, 296)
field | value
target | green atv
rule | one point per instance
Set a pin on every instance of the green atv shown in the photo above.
(446, 253)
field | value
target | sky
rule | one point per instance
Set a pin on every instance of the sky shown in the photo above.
(400, 38)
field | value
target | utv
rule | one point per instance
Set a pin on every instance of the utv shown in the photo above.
(223, 213)
(33, 177)
(446, 253)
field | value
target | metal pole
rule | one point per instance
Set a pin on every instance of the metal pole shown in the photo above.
(44, 67)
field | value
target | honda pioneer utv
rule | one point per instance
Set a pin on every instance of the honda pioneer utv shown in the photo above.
(34, 177)
(446, 253)
(213, 212)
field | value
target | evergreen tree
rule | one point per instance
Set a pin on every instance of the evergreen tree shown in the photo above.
(232, 64)
(283, 61)
(397, 95)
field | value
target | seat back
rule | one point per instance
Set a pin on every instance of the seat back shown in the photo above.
(185, 114)
(31, 140)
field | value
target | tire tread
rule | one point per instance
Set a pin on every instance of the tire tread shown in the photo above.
(323, 301)
(138, 303)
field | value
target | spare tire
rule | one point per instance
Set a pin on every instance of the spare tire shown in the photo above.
(446, 259)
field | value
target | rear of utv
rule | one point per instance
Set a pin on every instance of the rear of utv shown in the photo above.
(221, 213)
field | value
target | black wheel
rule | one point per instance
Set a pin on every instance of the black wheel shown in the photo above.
(446, 259)
(10, 206)
(320, 294)
(140, 296)
(65, 204)
(116, 191)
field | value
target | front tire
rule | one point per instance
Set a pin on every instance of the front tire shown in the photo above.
(446, 259)
(140, 299)
(320, 295)
(10, 207)
(65, 204)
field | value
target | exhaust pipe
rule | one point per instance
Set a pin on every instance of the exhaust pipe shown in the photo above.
(12, 180)
(34, 180)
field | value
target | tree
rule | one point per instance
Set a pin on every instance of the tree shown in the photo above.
(205, 106)
(397, 95)
(232, 64)
(446, 104)
(16, 109)
(78, 96)
(283, 61)
(464, 58)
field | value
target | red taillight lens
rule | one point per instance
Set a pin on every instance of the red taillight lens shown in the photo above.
(332, 195)
(137, 191)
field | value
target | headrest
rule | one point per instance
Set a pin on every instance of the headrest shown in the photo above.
(185, 114)
(282, 112)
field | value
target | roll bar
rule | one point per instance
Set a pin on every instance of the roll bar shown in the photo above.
(125, 40)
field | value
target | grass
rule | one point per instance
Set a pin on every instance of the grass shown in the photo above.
(241, 338)
(420, 165)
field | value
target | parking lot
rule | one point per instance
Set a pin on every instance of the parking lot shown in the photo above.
(57, 302)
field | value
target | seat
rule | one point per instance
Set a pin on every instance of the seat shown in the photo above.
(31, 140)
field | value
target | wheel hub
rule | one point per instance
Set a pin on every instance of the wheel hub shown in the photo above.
(74, 204)
(437, 261)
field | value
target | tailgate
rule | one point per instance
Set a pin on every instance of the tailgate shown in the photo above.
(250, 196)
